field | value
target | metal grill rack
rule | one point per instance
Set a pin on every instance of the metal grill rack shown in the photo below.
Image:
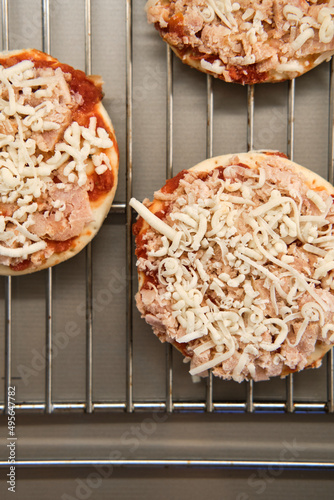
(171, 402)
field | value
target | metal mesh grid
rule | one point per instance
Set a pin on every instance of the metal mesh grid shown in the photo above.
(170, 403)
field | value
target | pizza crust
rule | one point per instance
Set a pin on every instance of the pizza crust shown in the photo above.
(315, 181)
(252, 159)
(240, 46)
(100, 206)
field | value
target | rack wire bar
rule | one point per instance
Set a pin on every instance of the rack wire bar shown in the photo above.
(89, 260)
(226, 464)
(290, 151)
(169, 174)
(291, 118)
(46, 44)
(209, 154)
(250, 147)
(250, 117)
(4, 23)
(8, 280)
(129, 157)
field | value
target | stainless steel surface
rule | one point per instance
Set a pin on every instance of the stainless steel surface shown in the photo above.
(71, 339)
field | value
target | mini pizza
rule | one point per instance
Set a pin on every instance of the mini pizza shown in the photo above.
(58, 161)
(236, 266)
(247, 42)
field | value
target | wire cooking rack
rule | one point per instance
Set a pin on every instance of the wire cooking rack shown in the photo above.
(169, 404)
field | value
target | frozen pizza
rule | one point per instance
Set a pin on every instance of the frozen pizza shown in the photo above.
(58, 161)
(247, 42)
(236, 264)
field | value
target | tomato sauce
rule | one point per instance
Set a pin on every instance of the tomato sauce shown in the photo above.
(79, 83)
(140, 246)
(21, 266)
(102, 184)
(176, 24)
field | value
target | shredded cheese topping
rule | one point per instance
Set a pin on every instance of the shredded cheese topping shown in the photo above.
(238, 33)
(238, 272)
(34, 104)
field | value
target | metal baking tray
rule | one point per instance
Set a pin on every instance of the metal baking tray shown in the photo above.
(95, 390)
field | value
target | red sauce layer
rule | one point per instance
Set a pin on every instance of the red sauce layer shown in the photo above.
(247, 74)
(151, 277)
